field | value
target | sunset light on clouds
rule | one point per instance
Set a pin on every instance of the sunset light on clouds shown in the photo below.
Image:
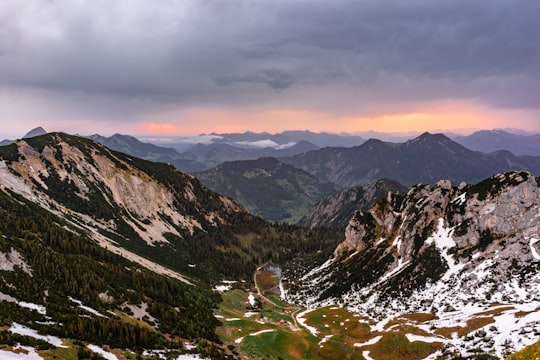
(461, 118)
(165, 68)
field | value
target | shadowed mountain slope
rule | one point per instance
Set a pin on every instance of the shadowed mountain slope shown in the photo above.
(425, 159)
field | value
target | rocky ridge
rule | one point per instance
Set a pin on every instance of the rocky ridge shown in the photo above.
(440, 250)
(123, 203)
(337, 210)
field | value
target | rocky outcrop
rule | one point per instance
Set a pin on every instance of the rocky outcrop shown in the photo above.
(474, 238)
(451, 251)
(337, 210)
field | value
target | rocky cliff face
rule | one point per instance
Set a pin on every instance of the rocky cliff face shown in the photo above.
(436, 249)
(337, 210)
(138, 209)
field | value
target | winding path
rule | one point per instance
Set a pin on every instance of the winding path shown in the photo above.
(294, 309)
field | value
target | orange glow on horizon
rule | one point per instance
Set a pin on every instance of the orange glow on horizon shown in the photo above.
(158, 129)
(434, 117)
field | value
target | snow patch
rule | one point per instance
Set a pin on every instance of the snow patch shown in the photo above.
(369, 342)
(29, 354)
(85, 308)
(427, 339)
(535, 254)
(460, 200)
(107, 355)
(12, 259)
(239, 340)
(39, 308)
(251, 299)
(17, 328)
(302, 321)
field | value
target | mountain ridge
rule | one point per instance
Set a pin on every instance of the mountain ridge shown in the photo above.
(337, 210)
(268, 187)
(425, 159)
(493, 140)
(468, 250)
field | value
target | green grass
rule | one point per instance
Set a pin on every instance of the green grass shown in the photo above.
(530, 352)
(278, 344)
(396, 346)
(345, 329)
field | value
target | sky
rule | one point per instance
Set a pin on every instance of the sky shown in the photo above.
(169, 67)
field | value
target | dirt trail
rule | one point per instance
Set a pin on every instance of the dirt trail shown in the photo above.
(292, 308)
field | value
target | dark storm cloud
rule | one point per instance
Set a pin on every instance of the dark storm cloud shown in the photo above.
(239, 52)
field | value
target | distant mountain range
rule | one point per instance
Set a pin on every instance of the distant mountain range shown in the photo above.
(132, 146)
(211, 155)
(268, 188)
(261, 140)
(489, 141)
(425, 159)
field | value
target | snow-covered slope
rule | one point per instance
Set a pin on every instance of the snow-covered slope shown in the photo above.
(469, 255)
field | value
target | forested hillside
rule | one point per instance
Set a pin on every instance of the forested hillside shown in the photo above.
(46, 264)
(98, 247)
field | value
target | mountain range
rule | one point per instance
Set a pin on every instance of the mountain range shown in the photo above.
(105, 253)
(494, 140)
(425, 159)
(102, 247)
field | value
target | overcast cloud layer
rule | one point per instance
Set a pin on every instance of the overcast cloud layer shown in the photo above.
(113, 59)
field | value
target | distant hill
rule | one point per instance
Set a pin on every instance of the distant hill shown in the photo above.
(35, 132)
(268, 188)
(493, 140)
(132, 146)
(214, 154)
(337, 210)
(425, 159)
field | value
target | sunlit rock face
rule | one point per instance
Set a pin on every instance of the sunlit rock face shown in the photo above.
(456, 252)
(437, 249)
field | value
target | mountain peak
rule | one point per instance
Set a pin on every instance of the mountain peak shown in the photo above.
(35, 132)
(427, 136)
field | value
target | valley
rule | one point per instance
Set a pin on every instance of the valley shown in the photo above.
(255, 325)
(103, 254)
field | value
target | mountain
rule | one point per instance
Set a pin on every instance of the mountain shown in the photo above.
(214, 149)
(132, 146)
(455, 267)
(211, 155)
(35, 132)
(425, 159)
(265, 139)
(267, 187)
(324, 139)
(493, 140)
(337, 210)
(136, 207)
(103, 251)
